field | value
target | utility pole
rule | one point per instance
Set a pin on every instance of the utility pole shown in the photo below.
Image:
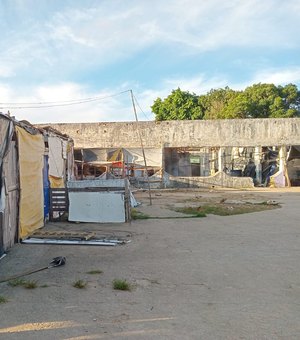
(142, 145)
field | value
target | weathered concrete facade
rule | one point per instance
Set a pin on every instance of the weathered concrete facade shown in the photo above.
(194, 152)
(197, 133)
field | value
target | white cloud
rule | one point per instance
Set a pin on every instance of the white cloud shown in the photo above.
(115, 108)
(201, 84)
(95, 35)
(6, 70)
(117, 27)
(198, 84)
(119, 108)
(6, 92)
(64, 40)
(278, 76)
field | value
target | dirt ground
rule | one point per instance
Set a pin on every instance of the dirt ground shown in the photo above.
(216, 277)
(166, 203)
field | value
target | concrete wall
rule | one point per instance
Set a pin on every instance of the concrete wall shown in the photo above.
(220, 179)
(237, 132)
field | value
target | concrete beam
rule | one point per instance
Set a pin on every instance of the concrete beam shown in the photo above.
(187, 133)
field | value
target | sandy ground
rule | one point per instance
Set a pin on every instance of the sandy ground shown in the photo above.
(233, 277)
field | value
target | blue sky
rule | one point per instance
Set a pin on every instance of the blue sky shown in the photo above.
(53, 51)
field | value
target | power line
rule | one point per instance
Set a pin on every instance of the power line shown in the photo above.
(39, 105)
(137, 103)
(50, 104)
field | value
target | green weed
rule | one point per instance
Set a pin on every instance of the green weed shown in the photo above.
(138, 215)
(93, 272)
(80, 284)
(121, 285)
(3, 299)
(24, 283)
(223, 209)
(16, 282)
(30, 284)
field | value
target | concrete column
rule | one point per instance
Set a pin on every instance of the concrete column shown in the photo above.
(221, 159)
(283, 165)
(257, 161)
(213, 156)
(282, 159)
(163, 161)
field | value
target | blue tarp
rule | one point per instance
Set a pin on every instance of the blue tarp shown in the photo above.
(46, 185)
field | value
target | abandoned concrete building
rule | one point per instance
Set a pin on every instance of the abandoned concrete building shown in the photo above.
(236, 153)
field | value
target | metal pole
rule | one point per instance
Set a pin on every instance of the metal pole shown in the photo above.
(142, 145)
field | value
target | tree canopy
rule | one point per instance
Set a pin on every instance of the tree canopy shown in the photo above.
(256, 101)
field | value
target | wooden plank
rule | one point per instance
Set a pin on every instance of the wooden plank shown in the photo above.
(96, 189)
(56, 194)
(57, 234)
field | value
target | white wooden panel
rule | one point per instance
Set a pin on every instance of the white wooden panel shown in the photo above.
(101, 207)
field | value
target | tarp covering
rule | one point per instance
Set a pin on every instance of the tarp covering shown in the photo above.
(294, 153)
(46, 184)
(94, 155)
(117, 155)
(278, 180)
(31, 162)
(153, 157)
(130, 156)
(6, 130)
(56, 182)
(60, 157)
(56, 160)
(11, 184)
(70, 162)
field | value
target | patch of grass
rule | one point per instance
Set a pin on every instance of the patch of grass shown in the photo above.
(44, 286)
(16, 282)
(191, 211)
(30, 284)
(24, 283)
(94, 272)
(223, 209)
(3, 299)
(119, 284)
(138, 215)
(80, 284)
(269, 203)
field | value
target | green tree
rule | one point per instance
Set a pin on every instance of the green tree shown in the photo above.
(270, 101)
(261, 97)
(179, 105)
(290, 100)
(256, 101)
(237, 107)
(216, 101)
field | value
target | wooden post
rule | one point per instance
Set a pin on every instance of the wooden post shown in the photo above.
(127, 201)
